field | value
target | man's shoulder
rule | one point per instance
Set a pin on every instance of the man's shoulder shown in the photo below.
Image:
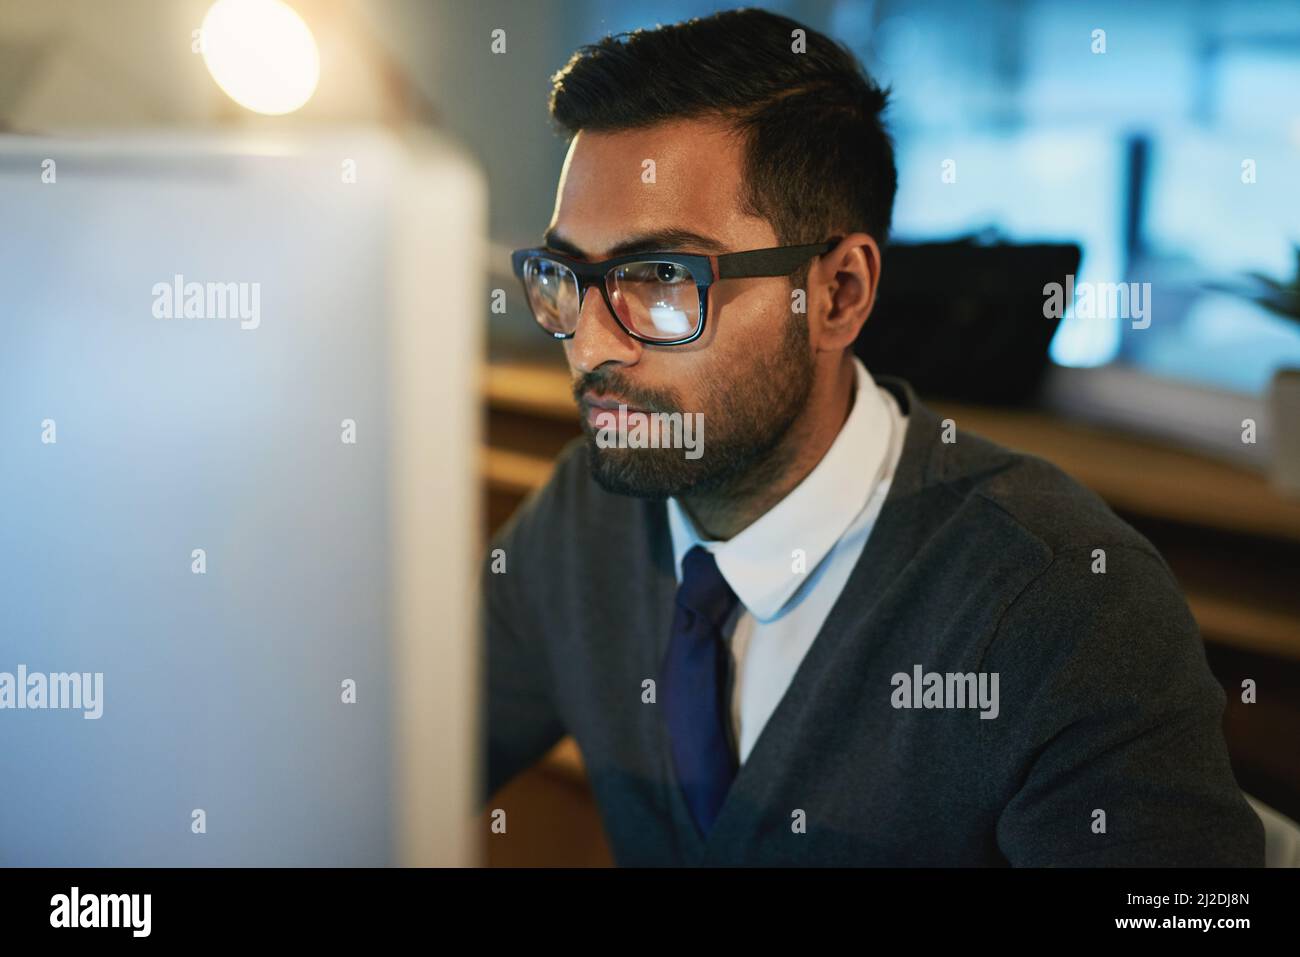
(1040, 502)
(1078, 583)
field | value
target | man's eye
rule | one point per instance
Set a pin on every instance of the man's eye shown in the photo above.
(670, 273)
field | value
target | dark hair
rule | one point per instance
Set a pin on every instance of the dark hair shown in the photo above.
(819, 161)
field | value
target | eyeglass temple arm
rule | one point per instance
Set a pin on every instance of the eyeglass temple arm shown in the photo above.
(777, 261)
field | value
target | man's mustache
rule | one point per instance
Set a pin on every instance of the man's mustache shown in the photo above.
(634, 398)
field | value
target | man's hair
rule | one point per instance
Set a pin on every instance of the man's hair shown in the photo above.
(819, 162)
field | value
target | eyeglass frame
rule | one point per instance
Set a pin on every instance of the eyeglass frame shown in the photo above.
(705, 269)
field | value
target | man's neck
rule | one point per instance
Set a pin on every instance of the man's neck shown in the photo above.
(726, 513)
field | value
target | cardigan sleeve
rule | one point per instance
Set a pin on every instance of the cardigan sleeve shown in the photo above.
(1113, 735)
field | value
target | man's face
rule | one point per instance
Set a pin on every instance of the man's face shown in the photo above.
(751, 371)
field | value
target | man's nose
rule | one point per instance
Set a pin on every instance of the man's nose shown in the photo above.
(598, 338)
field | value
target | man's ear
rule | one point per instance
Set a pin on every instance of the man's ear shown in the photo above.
(850, 274)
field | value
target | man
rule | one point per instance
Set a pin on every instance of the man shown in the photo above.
(839, 631)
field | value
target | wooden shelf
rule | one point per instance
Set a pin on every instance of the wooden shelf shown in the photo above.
(1242, 626)
(535, 389)
(515, 472)
(1141, 477)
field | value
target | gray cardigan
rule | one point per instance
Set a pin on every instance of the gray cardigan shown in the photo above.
(1106, 747)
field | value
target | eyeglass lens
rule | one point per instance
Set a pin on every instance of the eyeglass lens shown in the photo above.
(657, 300)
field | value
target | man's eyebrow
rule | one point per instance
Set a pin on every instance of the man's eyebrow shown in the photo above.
(659, 239)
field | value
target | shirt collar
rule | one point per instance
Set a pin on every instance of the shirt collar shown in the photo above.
(757, 563)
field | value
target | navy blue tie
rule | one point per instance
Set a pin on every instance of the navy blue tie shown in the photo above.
(694, 687)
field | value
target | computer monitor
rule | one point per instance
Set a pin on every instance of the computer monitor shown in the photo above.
(239, 515)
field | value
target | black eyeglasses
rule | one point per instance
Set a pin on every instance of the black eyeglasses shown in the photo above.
(659, 298)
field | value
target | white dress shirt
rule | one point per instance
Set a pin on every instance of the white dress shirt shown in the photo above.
(828, 516)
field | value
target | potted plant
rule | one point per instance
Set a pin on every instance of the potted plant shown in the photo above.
(1283, 401)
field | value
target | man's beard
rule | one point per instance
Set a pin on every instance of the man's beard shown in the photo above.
(747, 414)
